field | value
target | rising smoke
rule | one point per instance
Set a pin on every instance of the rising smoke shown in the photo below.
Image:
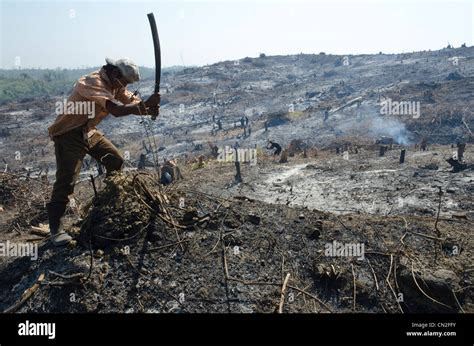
(369, 123)
(391, 127)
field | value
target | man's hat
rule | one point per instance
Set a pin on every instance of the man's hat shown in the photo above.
(128, 68)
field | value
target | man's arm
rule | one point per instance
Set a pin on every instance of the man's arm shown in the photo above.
(120, 111)
(126, 97)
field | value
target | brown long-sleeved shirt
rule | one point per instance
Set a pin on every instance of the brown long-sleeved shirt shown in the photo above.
(95, 87)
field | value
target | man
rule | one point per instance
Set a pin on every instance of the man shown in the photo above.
(273, 145)
(75, 134)
(461, 147)
(424, 143)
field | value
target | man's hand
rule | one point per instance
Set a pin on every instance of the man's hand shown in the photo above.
(153, 100)
(154, 111)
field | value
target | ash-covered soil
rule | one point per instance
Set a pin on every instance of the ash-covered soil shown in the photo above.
(361, 182)
(231, 254)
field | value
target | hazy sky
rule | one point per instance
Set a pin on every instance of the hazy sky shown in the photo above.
(81, 33)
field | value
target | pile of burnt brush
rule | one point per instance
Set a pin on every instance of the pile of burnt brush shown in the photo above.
(133, 204)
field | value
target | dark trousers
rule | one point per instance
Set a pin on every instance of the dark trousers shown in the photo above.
(70, 149)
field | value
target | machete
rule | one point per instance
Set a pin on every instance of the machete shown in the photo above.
(156, 45)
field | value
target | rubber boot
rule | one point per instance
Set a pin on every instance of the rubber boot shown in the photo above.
(55, 215)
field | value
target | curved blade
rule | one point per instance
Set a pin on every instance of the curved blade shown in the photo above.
(156, 44)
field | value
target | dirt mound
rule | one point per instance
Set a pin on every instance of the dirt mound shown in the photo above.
(119, 212)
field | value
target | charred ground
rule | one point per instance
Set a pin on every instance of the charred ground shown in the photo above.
(231, 245)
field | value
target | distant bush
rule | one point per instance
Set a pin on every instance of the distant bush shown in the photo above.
(40, 116)
(262, 55)
(277, 118)
(322, 53)
(329, 73)
(247, 59)
(454, 76)
(187, 86)
(258, 63)
(338, 62)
